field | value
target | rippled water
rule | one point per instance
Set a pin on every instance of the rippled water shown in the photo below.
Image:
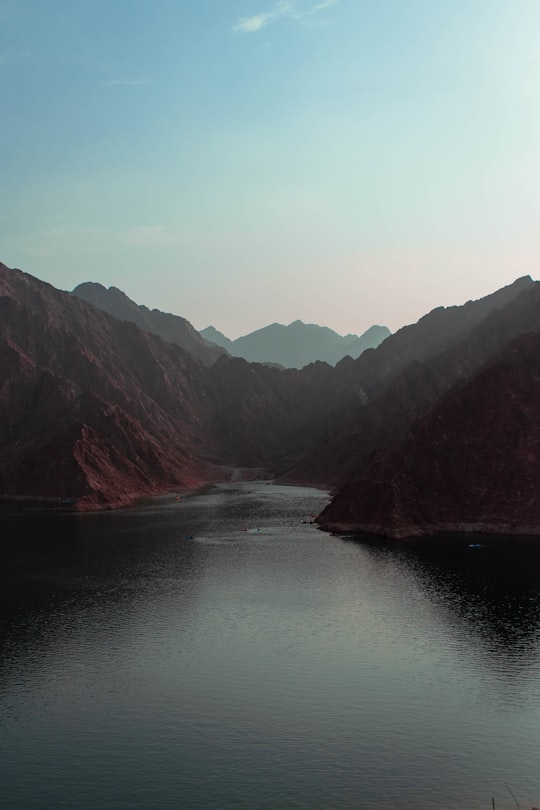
(263, 663)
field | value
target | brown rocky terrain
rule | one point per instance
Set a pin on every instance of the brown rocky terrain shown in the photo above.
(471, 465)
(373, 422)
(96, 410)
(91, 407)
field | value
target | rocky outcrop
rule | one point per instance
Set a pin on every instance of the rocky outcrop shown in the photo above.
(471, 465)
(92, 407)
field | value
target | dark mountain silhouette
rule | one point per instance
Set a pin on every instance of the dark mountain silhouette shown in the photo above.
(172, 328)
(472, 464)
(298, 344)
(398, 390)
(94, 409)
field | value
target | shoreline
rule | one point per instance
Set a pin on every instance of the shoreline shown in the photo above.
(93, 502)
(434, 533)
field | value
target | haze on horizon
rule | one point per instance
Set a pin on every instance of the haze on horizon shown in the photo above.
(335, 161)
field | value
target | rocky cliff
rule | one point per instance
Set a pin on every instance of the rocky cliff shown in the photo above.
(472, 464)
(394, 391)
(94, 409)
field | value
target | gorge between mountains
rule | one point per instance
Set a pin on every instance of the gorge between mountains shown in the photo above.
(435, 430)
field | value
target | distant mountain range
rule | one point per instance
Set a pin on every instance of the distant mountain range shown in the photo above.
(437, 429)
(298, 344)
(292, 346)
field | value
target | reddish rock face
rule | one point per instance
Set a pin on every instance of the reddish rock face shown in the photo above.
(95, 410)
(92, 408)
(472, 464)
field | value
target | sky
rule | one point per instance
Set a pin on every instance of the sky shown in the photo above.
(242, 162)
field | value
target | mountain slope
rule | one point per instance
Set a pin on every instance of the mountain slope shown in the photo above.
(372, 338)
(172, 328)
(92, 407)
(394, 391)
(95, 409)
(212, 335)
(472, 464)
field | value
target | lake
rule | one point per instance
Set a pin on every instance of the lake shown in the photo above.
(262, 663)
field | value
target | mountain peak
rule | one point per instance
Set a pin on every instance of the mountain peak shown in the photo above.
(171, 328)
(298, 344)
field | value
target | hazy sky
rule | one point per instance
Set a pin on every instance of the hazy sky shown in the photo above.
(239, 162)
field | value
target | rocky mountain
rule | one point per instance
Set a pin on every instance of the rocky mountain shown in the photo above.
(395, 389)
(472, 464)
(171, 328)
(298, 344)
(92, 408)
(95, 410)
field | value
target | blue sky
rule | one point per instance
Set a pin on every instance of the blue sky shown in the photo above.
(239, 162)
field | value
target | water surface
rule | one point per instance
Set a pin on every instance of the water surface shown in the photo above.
(262, 663)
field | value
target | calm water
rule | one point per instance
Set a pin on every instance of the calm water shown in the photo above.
(277, 667)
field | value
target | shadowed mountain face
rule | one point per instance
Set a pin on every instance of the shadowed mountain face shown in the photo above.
(94, 409)
(298, 344)
(171, 328)
(395, 395)
(471, 465)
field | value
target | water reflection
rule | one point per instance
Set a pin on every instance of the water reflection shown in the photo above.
(261, 664)
(65, 574)
(490, 594)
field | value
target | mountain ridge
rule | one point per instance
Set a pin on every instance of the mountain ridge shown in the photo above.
(172, 328)
(297, 344)
(471, 464)
(95, 410)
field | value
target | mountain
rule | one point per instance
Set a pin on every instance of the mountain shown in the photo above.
(370, 339)
(292, 346)
(172, 328)
(472, 464)
(96, 410)
(213, 335)
(92, 408)
(298, 344)
(386, 390)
